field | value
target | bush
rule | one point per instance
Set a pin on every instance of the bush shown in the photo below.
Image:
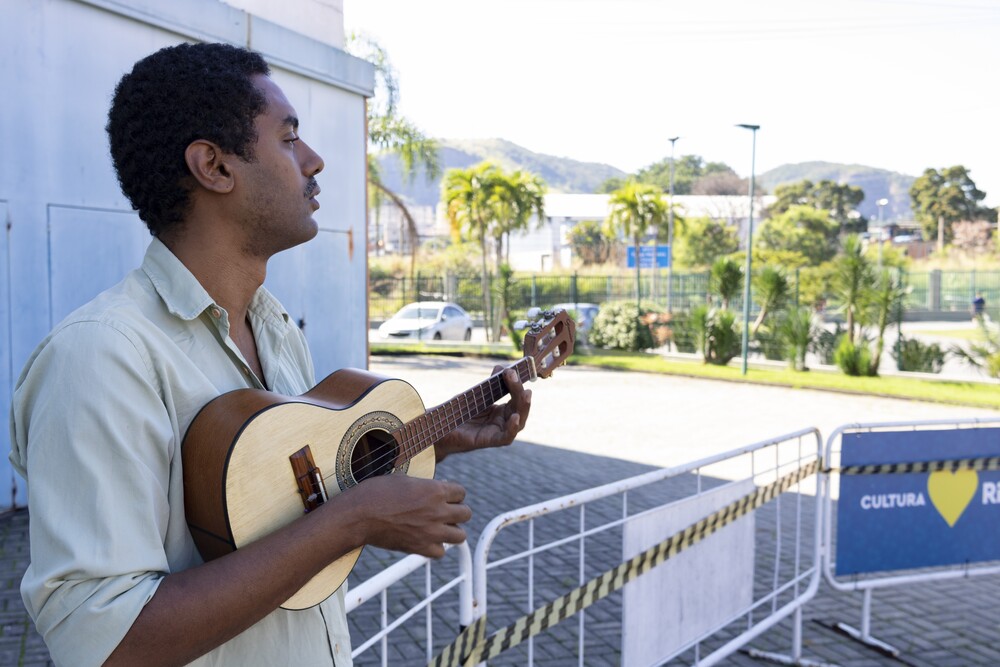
(915, 356)
(682, 332)
(986, 355)
(853, 358)
(770, 344)
(824, 344)
(717, 336)
(616, 328)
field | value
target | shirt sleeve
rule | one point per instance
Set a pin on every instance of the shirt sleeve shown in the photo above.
(95, 440)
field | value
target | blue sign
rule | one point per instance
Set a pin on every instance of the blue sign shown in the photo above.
(903, 521)
(646, 255)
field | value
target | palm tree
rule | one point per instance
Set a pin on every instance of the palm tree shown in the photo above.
(770, 291)
(986, 355)
(388, 132)
(887, 295)
(726, 279)
(468, 198)
(514, 198)
(852, 280)
(796, 331)
(635, 210)
(518, 196)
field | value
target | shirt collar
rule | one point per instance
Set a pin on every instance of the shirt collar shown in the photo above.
(185, 297)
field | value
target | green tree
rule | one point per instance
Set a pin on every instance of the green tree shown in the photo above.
(688, 169)
(796, 330)
(388, 132)
(802, 229)
(941, 198)
(609, 185)
(635, 210)
(887, 295)
(466, 195)
(726, 280)
(701, 241)
(590, 242)
(720, 183)
(514, 198)
(851, 284)
(506, 285)
(770, 292)
(839, 200)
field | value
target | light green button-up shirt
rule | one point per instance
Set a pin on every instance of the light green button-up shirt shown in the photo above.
(97, 421)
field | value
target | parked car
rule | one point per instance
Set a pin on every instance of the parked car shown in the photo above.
(583, 313)
(428, 320)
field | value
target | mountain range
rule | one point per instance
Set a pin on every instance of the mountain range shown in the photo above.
(573, 176)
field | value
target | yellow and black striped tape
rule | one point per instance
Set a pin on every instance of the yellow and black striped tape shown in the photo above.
(471, 648)
(978, 464)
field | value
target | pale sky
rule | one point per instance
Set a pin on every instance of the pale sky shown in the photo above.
(897, 84)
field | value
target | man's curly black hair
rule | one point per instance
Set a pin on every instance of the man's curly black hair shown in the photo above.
(171, 98)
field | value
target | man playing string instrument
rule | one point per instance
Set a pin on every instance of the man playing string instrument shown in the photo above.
(207, 148)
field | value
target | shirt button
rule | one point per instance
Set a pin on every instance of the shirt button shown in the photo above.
(216, 313)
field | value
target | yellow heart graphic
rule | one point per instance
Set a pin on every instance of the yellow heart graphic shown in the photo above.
(951, 492)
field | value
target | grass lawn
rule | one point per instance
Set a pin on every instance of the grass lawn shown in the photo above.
(973, 394)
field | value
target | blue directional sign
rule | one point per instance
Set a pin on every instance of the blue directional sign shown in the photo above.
(900, 521)
(647, 254)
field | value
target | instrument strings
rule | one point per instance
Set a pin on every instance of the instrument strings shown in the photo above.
(414, 435)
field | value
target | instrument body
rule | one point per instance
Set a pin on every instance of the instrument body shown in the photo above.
(255, 460)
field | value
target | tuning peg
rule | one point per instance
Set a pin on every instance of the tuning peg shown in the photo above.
(534, 312)
(520, 325)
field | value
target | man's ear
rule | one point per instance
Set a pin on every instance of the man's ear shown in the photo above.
(209, 166)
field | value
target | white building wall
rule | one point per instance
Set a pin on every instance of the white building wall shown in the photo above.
(322, 20)
(69, 232)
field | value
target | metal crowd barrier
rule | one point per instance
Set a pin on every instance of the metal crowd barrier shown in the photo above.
(552, 564)
(433, 589)
(867, 583)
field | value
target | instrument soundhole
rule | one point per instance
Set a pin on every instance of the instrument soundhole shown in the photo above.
(374, 454)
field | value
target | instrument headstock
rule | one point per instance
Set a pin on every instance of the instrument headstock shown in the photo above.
(549, 339)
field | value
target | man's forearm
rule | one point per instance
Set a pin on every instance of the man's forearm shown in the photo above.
(197, 610)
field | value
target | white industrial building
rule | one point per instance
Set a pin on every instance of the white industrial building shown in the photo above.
(70, 233)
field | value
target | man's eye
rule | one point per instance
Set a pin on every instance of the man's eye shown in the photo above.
(292, 140)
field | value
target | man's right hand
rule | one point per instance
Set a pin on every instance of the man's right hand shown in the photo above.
(411, 515)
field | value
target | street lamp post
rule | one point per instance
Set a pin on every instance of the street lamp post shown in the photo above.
(746, 273)
(670, 232)
(881, 204)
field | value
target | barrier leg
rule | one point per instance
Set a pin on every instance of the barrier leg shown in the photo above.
(796, 657)
(864, 634)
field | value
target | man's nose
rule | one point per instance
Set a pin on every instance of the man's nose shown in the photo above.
(312, 163)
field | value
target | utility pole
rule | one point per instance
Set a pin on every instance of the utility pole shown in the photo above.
(670, 232)
(746, 273)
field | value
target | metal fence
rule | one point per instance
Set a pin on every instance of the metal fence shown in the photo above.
(754, 571)
(387, 295)
(930, 292)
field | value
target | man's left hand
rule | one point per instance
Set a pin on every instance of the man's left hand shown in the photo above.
(496, 427)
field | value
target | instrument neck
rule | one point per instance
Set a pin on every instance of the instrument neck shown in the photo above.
(422, 432)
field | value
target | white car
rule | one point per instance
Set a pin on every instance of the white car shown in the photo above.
(428, 320)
